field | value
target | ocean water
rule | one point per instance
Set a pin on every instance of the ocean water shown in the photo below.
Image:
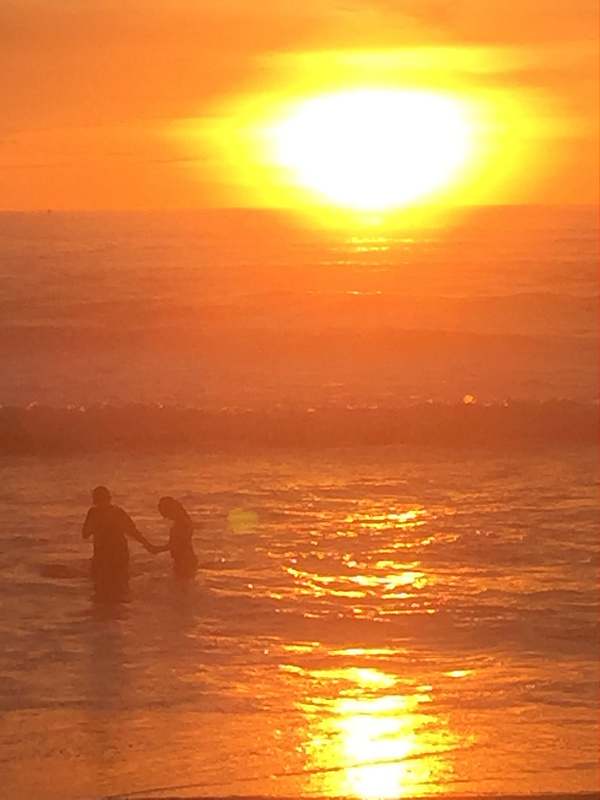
(250, 310)
(387, 441)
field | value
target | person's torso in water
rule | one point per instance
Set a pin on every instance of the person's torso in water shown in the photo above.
(185, 561)
(108, 526)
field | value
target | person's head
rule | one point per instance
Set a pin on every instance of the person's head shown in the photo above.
(170, 508)
(101, 496)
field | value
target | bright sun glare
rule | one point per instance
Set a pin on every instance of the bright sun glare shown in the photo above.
(372, 149)
(342, 138)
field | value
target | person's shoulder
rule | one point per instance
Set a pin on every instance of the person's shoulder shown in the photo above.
(120, 511)
(183, 526)
(123, 516)
(90, 516)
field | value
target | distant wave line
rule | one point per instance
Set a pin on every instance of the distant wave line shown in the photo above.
(41, 429)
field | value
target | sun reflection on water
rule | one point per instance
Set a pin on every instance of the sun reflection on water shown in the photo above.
(374, 568)
(371, 725)
(370, 732)
(365, 742)
(369, 244)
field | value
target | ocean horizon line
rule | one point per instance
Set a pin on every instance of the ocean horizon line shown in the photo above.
(439, 796)
(286, 209)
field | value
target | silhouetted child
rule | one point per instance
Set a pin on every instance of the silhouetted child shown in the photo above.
(185, 560)
(109, 526)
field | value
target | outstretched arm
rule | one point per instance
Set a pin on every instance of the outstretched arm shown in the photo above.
(139, 537)
(132, 531)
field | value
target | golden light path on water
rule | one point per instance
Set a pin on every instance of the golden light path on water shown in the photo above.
(386, 577)
(370, 732)
(366, 740)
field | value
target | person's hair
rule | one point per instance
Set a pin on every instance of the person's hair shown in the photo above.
(100, 495)
(171, 508)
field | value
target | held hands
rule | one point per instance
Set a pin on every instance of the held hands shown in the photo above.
(151, 548)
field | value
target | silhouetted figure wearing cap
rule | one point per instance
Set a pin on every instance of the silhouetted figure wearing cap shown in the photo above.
(185, 560)
(109, 526)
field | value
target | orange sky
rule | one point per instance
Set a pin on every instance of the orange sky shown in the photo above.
(89, 87)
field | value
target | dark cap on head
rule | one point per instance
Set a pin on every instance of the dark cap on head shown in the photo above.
(100, 495)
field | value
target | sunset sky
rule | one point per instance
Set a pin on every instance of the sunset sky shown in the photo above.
(138, 103)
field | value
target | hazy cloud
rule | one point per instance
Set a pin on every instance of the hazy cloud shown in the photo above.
(97, 61)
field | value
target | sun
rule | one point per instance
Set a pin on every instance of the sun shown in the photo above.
(372, 149)
(385, 138)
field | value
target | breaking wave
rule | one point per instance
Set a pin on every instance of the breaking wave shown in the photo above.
(44, 429)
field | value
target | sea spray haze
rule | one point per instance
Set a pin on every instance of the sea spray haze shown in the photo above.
(387, 442)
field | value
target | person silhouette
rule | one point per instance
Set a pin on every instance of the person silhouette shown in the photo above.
(109, 526)
(185, 560)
